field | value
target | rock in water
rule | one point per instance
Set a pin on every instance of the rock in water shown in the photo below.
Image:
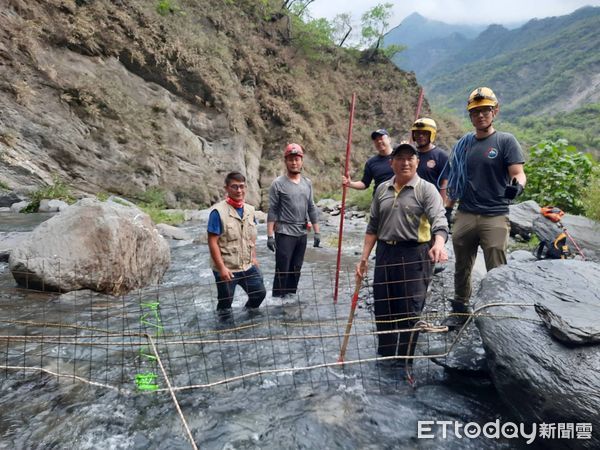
(544, 357)
(102, 246)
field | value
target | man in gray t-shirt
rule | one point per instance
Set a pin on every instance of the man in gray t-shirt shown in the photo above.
(290, 204)
(486, 174)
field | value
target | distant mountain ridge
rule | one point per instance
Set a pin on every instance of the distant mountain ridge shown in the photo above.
(415, 29)
(420, 34)
(546, 65)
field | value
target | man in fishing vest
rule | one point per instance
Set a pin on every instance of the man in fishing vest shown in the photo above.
(232, 246)
(377, 168)
(486, 174)
(408, 224)
(290, 203)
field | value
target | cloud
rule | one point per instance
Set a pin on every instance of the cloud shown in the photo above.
(456, 11)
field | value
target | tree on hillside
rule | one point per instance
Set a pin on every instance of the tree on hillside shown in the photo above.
(342, 27)
(375, 23)
(309, 35)
(297, 7)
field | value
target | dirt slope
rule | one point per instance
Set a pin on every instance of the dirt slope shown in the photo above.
(110, 96)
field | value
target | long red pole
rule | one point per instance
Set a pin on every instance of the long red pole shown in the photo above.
(419, 104)
(350, 320)
(343, 208)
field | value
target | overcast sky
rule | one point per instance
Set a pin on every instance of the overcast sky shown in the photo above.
(455, 11)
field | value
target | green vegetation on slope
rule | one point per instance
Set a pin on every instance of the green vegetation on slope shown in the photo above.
(558, 175)
(580, 127)
(541, 77)
(58, 190)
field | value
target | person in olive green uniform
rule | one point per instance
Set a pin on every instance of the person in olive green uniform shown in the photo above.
(409, 226)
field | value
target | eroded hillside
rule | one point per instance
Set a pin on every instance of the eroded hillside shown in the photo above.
(110, 96)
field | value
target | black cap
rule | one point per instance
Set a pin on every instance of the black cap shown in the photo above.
(405, 146)
(381, 132)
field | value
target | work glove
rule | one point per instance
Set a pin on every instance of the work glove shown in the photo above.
(317, 240)
(513, 190)
(271, 243)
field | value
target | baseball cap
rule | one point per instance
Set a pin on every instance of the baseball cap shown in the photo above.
(293, 149)
(380, 132)
(405, 147)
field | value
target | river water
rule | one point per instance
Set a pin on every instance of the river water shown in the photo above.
(266, 381)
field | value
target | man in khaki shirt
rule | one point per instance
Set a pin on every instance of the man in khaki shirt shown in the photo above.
(409, 226)
(232, 245)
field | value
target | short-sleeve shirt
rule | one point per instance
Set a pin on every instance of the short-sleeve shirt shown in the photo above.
(487, 174)
(214, 221)
(413, 214)
(431, 164)
(377, 168)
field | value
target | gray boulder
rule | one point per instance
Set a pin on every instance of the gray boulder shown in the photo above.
(8, 198)
(585, 233)
(171, 232)
(196, 214)
(545, 379)
(102, 246)
(526, 219)
(19, 206)
(8, 241)
(52, 205)
(521, 216)
(328, 205)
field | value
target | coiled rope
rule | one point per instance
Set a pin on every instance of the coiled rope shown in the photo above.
(456, 167)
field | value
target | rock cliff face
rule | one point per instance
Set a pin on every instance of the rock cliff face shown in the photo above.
(110, 96)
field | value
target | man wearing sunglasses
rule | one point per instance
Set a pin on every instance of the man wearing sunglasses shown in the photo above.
(232, 246)
(486, 174)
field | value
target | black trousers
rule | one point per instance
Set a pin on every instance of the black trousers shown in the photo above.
(402, 274)
(289, 256)
(251, 282)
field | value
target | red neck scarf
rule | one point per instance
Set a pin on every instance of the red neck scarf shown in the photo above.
(235, 203)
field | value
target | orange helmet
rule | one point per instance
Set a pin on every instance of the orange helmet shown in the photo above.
(293, 149)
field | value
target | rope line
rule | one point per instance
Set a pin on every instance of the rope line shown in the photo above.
(172, 393)
(421, 326)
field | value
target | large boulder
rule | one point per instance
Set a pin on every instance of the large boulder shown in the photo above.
(526, 220)
(543, 350)
(102, 246)
(521, 216)
(8, 241)
(52, 205)
(8, 198)
(583, 233)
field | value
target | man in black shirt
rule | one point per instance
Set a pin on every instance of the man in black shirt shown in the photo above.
(432, 159)
(377, 167)
(486, 175)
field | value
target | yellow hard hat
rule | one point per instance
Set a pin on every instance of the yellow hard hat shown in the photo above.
(425, 124)
(482, 96)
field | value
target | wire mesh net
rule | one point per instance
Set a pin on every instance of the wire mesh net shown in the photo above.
(171, 337)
